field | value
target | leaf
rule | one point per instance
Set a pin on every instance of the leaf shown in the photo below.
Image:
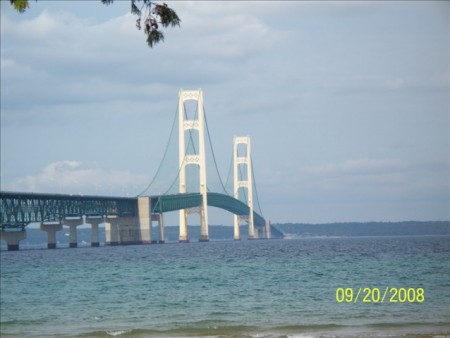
(20, 5)
(154, 36)
(135, 9)
(167, 15)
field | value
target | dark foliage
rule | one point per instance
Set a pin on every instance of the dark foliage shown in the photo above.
(150, 13)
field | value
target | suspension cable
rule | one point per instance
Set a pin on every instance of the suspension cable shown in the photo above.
(256, 191)
(191, 141)
(229, 173)
(195, 152)
(164, 156)
(212, 150)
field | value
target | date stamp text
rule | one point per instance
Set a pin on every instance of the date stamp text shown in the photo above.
(377, 295)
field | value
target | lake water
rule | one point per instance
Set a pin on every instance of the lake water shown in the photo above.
(266, 288)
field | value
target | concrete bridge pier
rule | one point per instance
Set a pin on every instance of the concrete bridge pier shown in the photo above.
(184, 235)
(94, 221)
(161, 228)
(12, 238)
(129, 232)
(252, 234)
(112, 230)
(72, 223)
(259, 233)
(204, 231)
(267, 226)
(160, 219)
(237, 230)
(51, 229)
(145, 221)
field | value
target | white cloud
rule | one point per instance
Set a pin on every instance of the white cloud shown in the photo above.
(362, 179)
(310, 82)
(69, 66)
(365, 166)
(351, 178)
(75, 177)
(436, 81)
(396, 83)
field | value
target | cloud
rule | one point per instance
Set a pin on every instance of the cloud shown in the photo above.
(318, 83)
(363, 166)
(361, 178)
(433, 82)
(395, 83)
(357, 190)
(234, 35)
(73, 177)
(60, 62)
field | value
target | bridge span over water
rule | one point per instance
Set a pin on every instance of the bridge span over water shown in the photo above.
(128, 220)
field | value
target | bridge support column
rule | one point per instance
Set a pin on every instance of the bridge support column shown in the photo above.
(192, 158)
(161, 228)
(184, 236)
(72, 224)
(251, 232)
(51, 230)
(129, 233)
(243, 180)
(94, 222)
(237, 229)
(259, 233)
(145, 222)
(112, 231)
(267, 225)
(12, 238)
(204, 233)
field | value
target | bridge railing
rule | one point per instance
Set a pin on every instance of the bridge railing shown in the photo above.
(17, 210)
(167, 203)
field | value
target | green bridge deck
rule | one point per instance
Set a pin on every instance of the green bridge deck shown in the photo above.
(18, 209)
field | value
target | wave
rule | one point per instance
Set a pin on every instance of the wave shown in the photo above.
(118, 332)
(308, 236)
(211, 330)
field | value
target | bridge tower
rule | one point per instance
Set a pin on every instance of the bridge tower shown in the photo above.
(242, 173)
(196, 158)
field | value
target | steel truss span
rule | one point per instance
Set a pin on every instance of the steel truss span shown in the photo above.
(17, 209)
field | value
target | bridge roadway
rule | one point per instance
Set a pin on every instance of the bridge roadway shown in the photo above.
(128, 218)
(19, 209)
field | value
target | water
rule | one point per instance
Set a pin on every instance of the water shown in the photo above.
(278, 288)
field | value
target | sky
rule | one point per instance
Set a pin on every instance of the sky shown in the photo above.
(346, 103)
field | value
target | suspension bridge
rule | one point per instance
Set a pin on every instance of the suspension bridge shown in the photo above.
(129, 220)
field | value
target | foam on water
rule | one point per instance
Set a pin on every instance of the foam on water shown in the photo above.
(117, 333)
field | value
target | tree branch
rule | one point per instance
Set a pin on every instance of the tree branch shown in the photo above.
(152, 16)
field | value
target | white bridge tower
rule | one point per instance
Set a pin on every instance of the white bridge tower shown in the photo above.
(197, 158)
(242, 173)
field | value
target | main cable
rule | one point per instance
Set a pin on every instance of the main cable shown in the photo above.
(212, 150)
(256, 190)
(164, 156)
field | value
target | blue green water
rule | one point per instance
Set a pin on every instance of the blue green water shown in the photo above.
(277, 288)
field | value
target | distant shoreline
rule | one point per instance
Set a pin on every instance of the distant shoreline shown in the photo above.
(38, 239)
(352, 229)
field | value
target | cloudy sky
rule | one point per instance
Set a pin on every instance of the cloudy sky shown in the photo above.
(346, 103)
